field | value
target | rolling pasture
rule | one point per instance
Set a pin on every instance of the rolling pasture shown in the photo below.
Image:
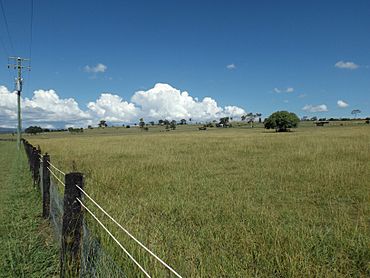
(234, 202)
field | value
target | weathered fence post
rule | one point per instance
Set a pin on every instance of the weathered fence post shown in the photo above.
(31, 159)
(34, 156)
(45, 186)
(70, 260)
(36, 166)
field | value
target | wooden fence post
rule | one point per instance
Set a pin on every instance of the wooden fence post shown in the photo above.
(45, 186)
(36, 166)
(32, 149)
(70, 260)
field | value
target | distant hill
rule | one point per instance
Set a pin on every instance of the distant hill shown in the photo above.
(7, 130)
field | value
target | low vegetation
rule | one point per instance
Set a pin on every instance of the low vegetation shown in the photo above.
(230, 202)
(27, 248)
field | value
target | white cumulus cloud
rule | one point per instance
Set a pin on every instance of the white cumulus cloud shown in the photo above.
(315, 108)
(44, 107)
(287, 90)
(231, 66)
(113, 108)
(47, 109)
(165, 102)
(95, 69)
(342, 104)
(346, 65)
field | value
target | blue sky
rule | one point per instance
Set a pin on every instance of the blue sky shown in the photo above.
(272, 45)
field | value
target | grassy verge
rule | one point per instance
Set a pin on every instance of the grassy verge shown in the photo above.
(26, 246)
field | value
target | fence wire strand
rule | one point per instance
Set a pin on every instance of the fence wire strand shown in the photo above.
(129, 234)
(56, 209)
(114, 238)
(60, 171)
(55, 176)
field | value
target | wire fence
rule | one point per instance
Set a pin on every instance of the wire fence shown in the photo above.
(94, 260)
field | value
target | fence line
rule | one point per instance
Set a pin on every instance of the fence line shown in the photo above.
(8, 140)
(128, 233)
(67, 210)
(113, 237)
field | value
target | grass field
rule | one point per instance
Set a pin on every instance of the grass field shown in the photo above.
(231, 202)
(27, 248)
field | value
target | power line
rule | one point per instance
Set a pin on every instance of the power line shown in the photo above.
(7, 55)
(28, 84)
(3, 46)
(7, 26)
(31, 32)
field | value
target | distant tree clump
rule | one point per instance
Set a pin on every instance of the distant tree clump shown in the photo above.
(251, 117)
(281, 121)
(75, 130)
(33, 130)
(224, 122)
(173, 124)
(141, 123)
(355, 112)
(102, 123)
(182, 122)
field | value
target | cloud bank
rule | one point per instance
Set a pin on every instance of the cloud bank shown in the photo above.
(45, 107)
(162, 101)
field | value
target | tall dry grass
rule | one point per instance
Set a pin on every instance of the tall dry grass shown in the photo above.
(231, 203)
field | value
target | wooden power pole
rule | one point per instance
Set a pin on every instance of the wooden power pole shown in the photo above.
(18, 87)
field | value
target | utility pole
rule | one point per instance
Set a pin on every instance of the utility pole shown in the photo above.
(18, 87)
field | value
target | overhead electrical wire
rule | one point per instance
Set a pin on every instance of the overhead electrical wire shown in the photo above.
(7, 26)
(31, 33)
(28, 84)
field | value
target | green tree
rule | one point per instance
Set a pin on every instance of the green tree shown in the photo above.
(224, 121)
(141, 123)
(102, 123)
(281, 121)
(33, 129)
(173, 125)
(355, 112)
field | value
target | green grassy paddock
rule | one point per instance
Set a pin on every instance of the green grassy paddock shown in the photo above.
(235, 202)
(27, 248)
